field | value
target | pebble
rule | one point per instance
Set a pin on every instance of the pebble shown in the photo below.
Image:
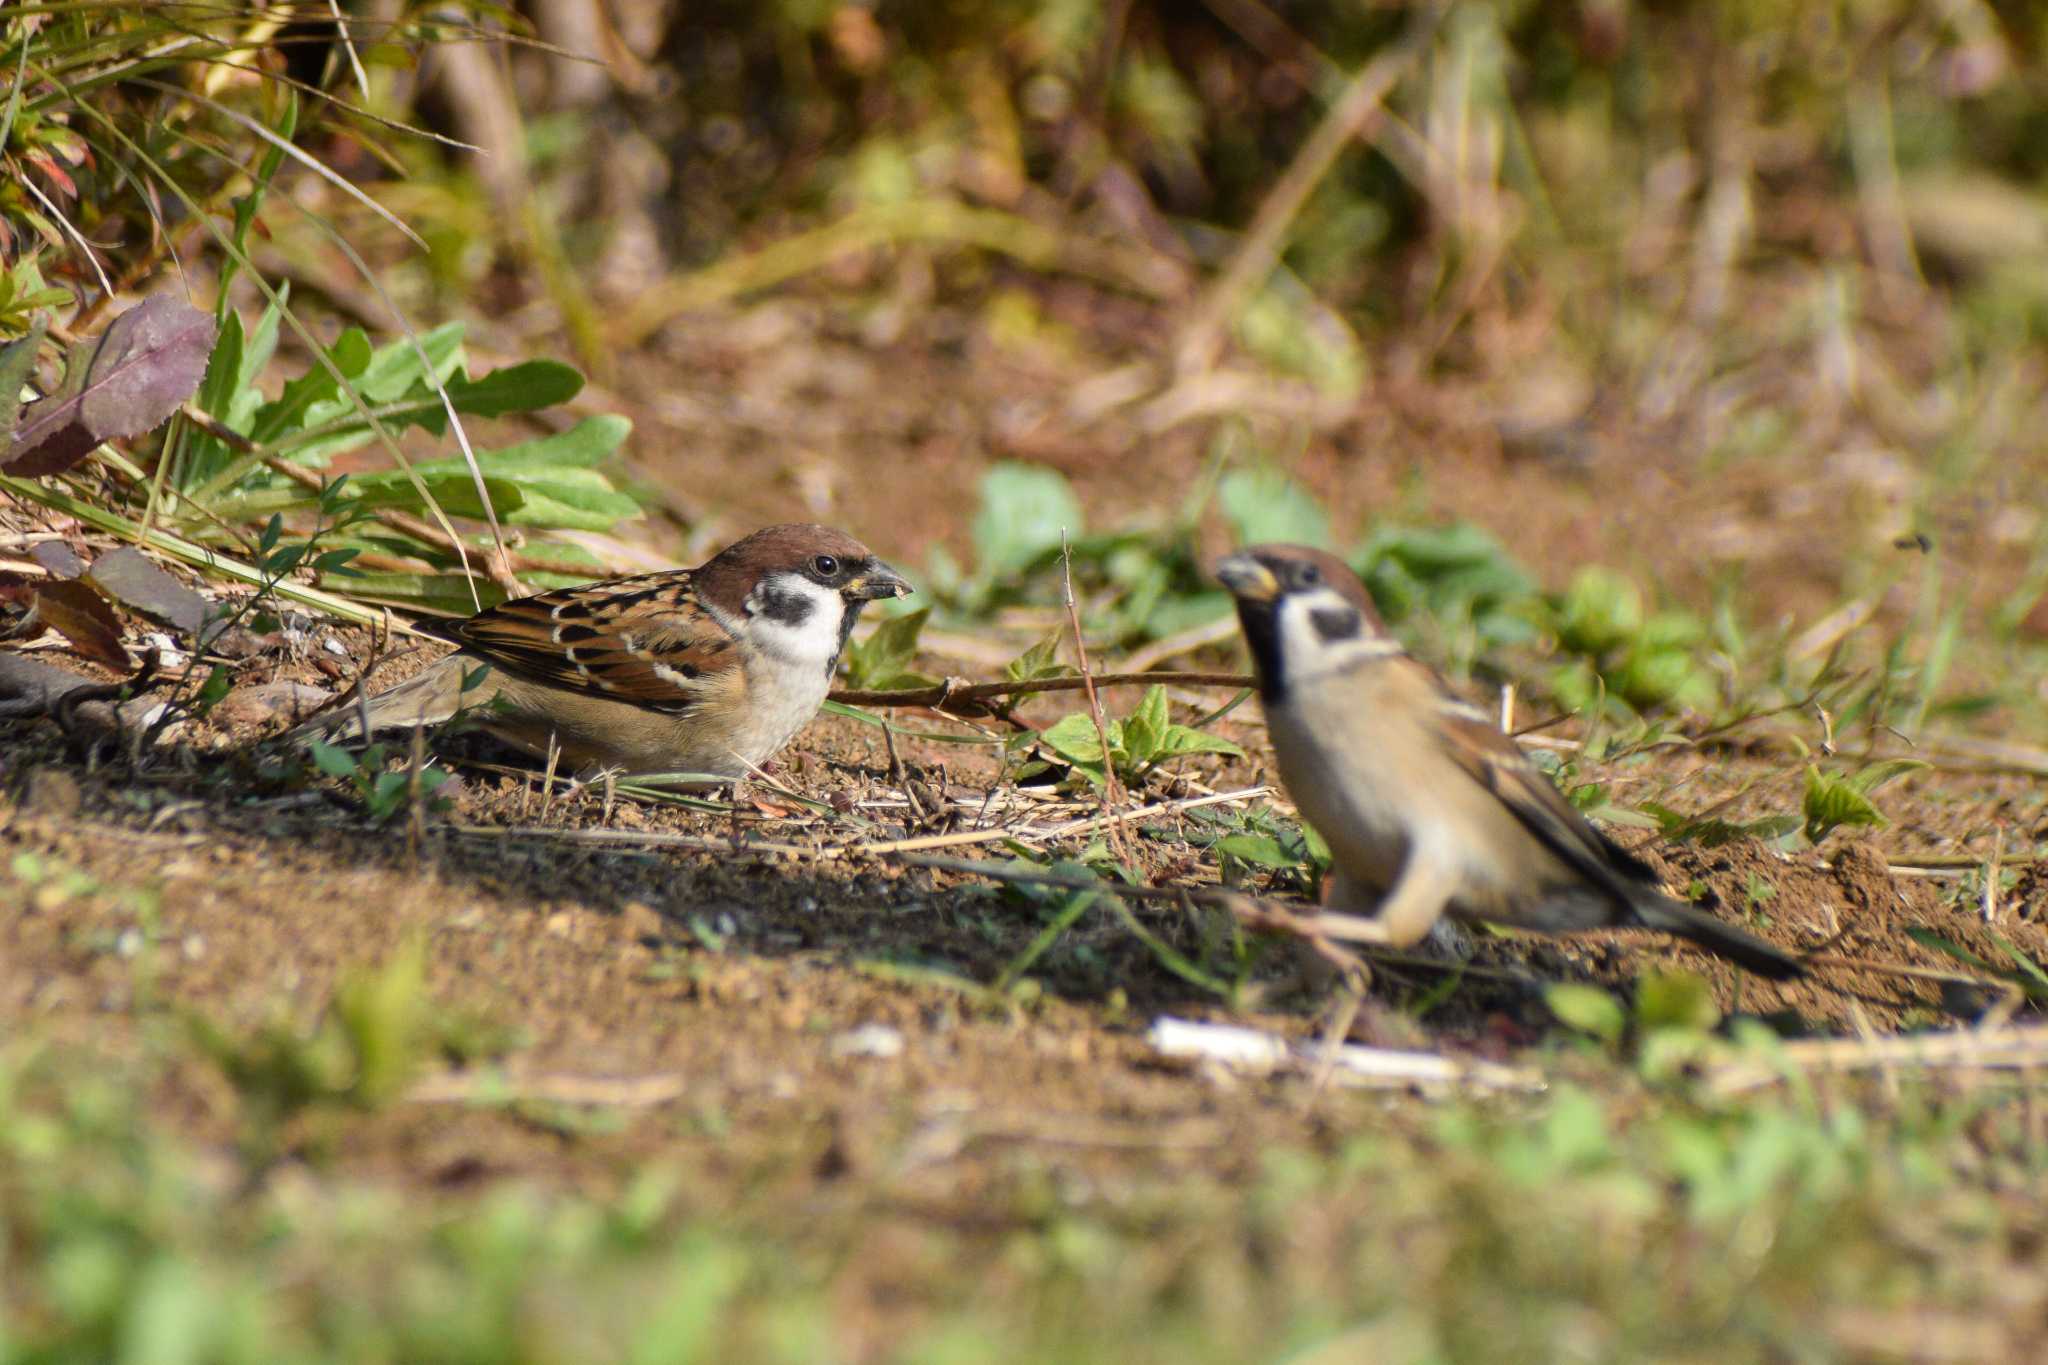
(265, 702)
(869, 1040)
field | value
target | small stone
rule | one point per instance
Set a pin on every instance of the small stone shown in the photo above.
(562, 924)
(266, 702)
(869, 1040)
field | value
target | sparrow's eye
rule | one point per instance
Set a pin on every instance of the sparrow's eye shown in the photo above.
(1308, 575)
(826, 566)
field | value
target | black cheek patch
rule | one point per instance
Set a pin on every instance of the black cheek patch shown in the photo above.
(790, 609)
(1336, 623)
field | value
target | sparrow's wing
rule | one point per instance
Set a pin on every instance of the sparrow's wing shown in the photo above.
(647, 640)
(1497, 763)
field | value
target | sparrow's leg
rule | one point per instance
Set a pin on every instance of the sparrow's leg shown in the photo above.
(1412, 905)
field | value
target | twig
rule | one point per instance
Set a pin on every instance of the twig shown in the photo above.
(493, 1087)
(1201, 339)
(1112, 789)
(959, 697)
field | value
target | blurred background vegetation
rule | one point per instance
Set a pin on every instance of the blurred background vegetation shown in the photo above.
(1761, 286)
(1694, 350)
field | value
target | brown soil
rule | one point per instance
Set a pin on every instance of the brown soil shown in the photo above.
(214, 884)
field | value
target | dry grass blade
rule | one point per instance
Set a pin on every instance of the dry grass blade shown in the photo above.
(492, 1087)
(2001, 1050)
(1201, 338)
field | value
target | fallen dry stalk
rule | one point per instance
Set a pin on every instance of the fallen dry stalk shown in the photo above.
(960, 697)
(1999, 1050)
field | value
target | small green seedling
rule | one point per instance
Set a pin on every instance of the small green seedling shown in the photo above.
(383, 793)
(1138, 743)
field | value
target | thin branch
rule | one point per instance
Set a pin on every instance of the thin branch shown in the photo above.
(960, 697)
(1112, 788)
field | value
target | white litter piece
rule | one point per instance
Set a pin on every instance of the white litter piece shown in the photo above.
(869, 1040)
(334, 647)
(1250, 1049)
(168, 655)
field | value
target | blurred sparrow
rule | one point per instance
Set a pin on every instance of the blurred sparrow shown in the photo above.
(1429, 810)
(707, 670)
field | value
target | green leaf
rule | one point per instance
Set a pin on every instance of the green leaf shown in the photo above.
(1588, 1009)
(525, 387)
(1145, 729)
(1180, 741)
(17, 362)
(881, 661)
(1601, 610)
(1265, 505)
(1831, 802)
(1679, 1000)
(1261, 849)
(333, 760)
(350, 355)
(1039, 661)
(1874, 775)
(1024, 510)
(1073, 738)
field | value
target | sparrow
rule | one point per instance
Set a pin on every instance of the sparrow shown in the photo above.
(1428, 809)
(704, 671)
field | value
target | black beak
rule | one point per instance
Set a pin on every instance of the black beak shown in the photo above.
(876, 581)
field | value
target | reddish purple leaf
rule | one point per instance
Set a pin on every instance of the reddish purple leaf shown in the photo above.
(120, 383)
(83, 617)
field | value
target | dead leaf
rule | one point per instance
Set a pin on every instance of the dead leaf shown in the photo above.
(83, 617)
(60, 559)
(121, 383)
(128, 576)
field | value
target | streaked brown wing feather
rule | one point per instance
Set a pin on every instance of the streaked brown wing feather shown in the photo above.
(646, 640)
(1497, 763)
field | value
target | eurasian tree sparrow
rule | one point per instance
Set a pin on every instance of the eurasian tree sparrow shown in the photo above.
(707, 670)
(1429, 810)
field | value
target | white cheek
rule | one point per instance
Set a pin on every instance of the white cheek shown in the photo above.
(812, 643)
(1308, 653)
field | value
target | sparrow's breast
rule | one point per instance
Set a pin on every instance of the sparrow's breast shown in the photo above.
(1345, 781)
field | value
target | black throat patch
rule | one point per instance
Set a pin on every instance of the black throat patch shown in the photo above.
(1261, 626)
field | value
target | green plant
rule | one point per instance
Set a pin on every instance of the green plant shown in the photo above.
(383, 791)
(882, 661)
(1138, 743)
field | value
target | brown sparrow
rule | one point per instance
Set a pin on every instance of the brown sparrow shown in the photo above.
(707, 670)
(1429, 810)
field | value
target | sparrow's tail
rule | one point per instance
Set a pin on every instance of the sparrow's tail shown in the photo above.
(429, 697)
(1744, 949)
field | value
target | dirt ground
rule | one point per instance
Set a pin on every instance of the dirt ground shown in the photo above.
(818, 1012)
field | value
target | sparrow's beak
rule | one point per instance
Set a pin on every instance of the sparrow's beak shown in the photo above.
(1247, 579)
(877, 581)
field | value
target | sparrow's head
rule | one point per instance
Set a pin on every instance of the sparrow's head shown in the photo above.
(799, 587)
(1303, 611)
